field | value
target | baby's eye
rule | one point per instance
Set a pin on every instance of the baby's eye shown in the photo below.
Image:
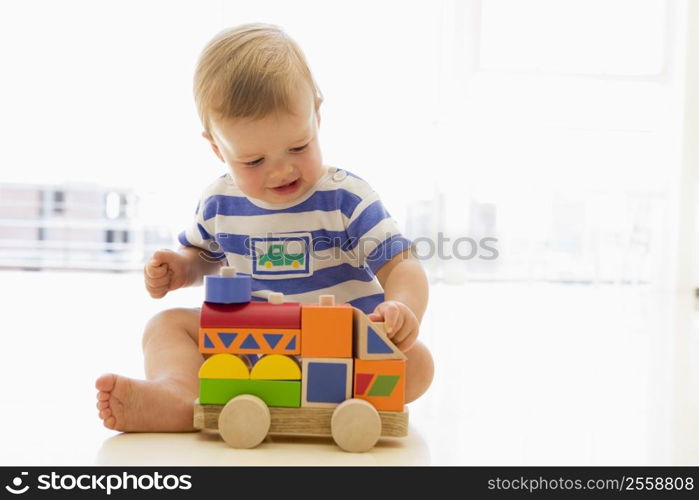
(299, 149)
(254, 163)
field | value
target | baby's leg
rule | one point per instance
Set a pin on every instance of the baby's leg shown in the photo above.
(419, 371)
(164, 401)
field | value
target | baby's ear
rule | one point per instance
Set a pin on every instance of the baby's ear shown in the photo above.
(214, 146)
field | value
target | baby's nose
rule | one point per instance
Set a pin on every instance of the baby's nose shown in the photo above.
(282, 171)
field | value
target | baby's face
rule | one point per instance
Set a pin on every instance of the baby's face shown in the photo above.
(276, 159)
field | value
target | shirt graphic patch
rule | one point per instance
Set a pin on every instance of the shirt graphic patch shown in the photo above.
(281, 255)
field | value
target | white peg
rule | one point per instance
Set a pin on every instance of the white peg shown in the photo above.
(275, 298)
(326, 300)
(228, 271)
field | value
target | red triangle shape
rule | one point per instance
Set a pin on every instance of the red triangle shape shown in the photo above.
(361, 382)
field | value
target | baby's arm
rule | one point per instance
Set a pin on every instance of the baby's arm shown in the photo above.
(405, 298)
(168, 270)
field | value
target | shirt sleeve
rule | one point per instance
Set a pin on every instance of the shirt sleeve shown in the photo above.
(201, 233)
(375, 233)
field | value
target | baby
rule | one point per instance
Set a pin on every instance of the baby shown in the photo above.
(260, 109)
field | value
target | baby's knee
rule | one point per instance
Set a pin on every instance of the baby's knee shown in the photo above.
(420, 359)
(419, 371)
(170, 319)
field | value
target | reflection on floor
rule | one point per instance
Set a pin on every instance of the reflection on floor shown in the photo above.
(208, 448)
(525, 375)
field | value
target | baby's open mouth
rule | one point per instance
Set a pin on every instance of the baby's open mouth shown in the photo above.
(287, 188)
(292, 183)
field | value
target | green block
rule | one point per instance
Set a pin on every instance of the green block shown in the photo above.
(384, 385)
(219, 391)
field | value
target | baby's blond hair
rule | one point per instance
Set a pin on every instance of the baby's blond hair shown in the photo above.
(250, 71)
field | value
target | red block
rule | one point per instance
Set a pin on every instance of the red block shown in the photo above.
(251, 315)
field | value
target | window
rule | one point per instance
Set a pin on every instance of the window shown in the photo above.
(561, 117)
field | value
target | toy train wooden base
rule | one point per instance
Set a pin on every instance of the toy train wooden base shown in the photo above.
(246, 420)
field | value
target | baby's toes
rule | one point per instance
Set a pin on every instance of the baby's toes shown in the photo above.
(106, 382)
(101, 405)
(110, 422)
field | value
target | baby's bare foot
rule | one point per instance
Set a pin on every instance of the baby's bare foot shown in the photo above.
(131, 405)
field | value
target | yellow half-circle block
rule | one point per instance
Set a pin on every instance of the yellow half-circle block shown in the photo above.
(224, 366)
(276, 367)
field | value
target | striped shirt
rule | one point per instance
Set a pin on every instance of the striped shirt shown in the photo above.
(330, 241)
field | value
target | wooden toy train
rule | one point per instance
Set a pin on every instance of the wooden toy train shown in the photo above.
(287, 368)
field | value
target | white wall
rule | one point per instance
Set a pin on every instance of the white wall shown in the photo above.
(490, 101)
(101, 91)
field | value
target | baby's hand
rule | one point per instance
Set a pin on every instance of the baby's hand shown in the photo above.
(164, 272)
(400, 323)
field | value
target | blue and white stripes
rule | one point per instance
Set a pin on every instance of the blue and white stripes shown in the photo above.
(352, 235)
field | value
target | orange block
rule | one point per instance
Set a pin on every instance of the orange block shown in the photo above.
(326, 331)
(380, 382)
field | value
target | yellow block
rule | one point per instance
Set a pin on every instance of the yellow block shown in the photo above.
(224, 366)
(276, 367)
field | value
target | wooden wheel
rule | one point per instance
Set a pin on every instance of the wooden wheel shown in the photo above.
(356, 425)
(244, 421)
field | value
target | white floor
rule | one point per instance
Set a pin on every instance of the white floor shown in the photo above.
(526, 375)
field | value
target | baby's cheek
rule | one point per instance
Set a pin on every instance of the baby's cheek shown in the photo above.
(247, 183)
(311, 164)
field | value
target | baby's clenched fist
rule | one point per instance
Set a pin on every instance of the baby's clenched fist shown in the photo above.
(165, 271)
